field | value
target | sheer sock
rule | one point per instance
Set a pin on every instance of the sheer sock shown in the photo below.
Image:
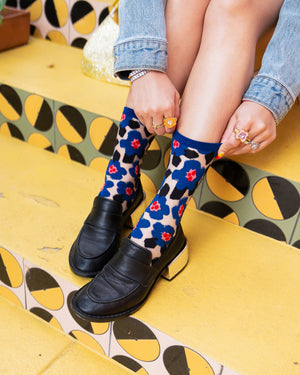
(123, 170)
(188, 162)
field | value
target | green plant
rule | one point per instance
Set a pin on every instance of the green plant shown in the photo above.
(2, 4)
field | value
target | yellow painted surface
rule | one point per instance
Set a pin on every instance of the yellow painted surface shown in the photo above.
(54, 71)
(32, 346)
(27, 344)
(77, 359)
(42, 195)
(237, 301)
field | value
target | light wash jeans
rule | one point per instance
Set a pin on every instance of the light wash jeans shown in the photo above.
(142, 44)
(277, 84)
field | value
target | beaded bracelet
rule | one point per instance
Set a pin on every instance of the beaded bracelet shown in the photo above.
(135, 74)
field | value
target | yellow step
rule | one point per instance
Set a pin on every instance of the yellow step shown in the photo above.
(30, 346)
(54, 71)
(235, 305)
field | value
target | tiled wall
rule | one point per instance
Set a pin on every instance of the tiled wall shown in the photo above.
(68, 22)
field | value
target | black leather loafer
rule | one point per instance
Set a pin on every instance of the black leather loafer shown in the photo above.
(126, 280)
(99, 238)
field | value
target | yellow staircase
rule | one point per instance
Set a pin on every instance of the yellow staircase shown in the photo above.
(234, 309)
(31, 346)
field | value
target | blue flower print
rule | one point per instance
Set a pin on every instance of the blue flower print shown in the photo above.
(126, 190)
(163, 234)
(189, 175)
(158, 208)
(178, 148)
(136, 232)
(135, 144)
(135, 169)
(115, 170)
(104, 192)
(177, 211)
(123, 123)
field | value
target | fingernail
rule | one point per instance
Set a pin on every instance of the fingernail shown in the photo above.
(220, 155)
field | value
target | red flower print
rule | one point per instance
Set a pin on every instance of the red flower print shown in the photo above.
(123, 117)
(137, 169)
(135, 144)
(128, 191)
(165, 236)
(180, 211)
(112, 169)
(176, 144)
(155, 206)
(191, 175)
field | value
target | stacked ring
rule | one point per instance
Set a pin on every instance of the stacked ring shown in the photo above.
(157, 126)
(170, 122)
(254, 145)
(242, 135)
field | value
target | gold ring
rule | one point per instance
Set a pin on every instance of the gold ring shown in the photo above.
(170, 122)
(242, 135)
(157, 126)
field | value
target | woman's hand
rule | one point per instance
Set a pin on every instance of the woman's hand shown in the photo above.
(153, 97)
(254, 119)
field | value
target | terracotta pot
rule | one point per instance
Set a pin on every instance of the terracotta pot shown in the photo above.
(15, 28)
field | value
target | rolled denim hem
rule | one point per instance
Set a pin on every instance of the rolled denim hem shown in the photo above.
(141, 53)
(272, 94)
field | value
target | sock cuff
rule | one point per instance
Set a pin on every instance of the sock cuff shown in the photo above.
(129, 112)
(204, 147)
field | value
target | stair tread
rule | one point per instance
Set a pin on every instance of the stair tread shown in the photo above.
(54, 71)
(237, 300)
(31, 346)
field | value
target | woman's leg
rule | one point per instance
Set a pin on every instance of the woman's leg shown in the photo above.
(224, 65)
(184, 24)
(121, 194)
(220, 74)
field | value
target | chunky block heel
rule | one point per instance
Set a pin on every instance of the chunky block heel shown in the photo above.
(177, 265)
(136, 214)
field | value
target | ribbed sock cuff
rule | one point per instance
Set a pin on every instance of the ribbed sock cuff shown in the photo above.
(204, 147)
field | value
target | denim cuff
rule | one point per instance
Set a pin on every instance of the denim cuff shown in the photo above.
(140, 53)
(272, 94)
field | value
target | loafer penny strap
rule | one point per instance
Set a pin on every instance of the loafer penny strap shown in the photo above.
(135, 268)
(106, 214)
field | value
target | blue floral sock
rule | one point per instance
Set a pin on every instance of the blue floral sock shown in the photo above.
(188, 162)
(123, 170)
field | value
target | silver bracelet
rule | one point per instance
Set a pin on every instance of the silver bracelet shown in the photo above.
(135, 74)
